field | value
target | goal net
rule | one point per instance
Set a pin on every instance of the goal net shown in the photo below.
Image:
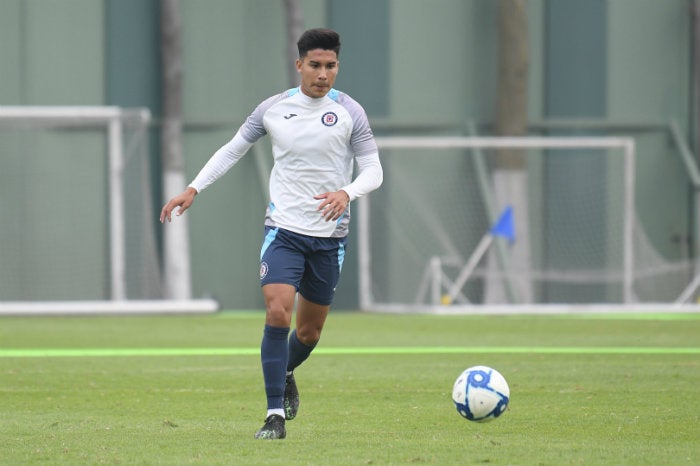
(453, 229)
(78, 230)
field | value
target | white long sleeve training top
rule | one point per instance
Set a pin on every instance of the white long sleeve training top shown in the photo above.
(315, 142)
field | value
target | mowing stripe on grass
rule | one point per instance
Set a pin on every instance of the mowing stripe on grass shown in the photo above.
(124, 352)
(693, 314)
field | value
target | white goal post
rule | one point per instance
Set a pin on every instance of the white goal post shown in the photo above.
(439, 191)
(122, 135)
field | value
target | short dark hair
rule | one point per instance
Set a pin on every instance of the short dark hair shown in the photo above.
(319, 38)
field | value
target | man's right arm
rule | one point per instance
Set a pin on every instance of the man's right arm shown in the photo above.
(222, 160)
(219, 163)
(183, 200)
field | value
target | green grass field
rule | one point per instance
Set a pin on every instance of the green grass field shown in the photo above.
(585, 390)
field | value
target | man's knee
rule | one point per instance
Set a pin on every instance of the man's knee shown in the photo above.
(308, 335)
(279, 304)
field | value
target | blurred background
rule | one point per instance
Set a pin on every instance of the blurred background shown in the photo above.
(434, 68)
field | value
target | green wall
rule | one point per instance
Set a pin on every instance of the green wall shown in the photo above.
(649, 80)
(52, 53)
(576, 76)
(407, 61)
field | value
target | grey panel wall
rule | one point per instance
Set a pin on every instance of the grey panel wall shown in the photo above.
(405, 60)
(649, 80)
(52, 54)
(575, 86)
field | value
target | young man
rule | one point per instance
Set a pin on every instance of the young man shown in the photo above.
(318, 133)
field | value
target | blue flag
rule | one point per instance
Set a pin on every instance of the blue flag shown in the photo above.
(504, 226)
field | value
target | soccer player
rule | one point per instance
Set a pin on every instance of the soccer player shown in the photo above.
(318, 134)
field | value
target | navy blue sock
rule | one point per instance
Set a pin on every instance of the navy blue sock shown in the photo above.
(298, 352)
(274, 354)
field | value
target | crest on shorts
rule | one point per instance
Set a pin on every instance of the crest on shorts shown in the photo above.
(263, 270)
(329, 119)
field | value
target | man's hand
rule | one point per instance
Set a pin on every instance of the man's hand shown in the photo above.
(333, 205)
(183, 200)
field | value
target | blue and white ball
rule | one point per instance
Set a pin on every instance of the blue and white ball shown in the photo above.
(480, 394)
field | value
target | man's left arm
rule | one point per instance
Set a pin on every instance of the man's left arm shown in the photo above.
(370, 176)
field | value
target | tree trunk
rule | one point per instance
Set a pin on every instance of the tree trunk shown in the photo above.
(295, 27)
(513, 64)
(176, 248)
(510, 175)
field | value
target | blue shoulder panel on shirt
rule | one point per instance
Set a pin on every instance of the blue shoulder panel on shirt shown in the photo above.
(333, 94)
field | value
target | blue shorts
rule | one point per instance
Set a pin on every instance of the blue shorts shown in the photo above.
(312, 265)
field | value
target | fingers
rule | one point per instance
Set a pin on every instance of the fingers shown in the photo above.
(334, 213)
(166, 212)
(333, 205)
(182, 201)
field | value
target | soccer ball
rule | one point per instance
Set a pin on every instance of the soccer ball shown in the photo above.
(480, 394)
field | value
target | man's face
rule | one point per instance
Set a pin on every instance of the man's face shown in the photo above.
(318, 70)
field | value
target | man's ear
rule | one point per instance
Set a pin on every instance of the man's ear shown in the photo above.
(298, 64)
